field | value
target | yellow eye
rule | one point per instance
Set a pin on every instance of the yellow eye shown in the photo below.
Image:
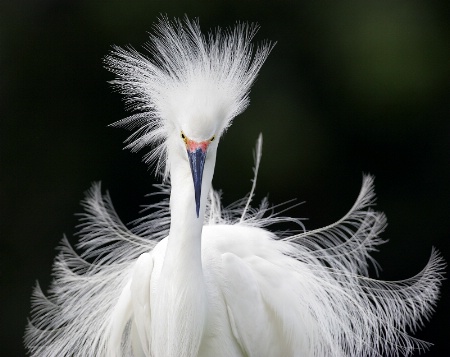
(213, 137)
(183, 136)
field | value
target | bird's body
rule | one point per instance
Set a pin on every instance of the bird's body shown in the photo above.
(202, 295)
(195, 279)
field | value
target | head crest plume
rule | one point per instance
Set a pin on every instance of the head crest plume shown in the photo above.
(186, 74)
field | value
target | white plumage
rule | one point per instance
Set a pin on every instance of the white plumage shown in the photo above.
(193, 278)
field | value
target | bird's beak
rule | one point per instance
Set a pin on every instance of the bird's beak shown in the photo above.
(197, 155)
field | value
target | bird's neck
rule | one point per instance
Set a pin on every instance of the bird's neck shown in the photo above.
(183, 252)
(181, 287)
(185, 227)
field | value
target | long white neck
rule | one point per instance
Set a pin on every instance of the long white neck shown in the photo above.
(179, 324)
(184, 246)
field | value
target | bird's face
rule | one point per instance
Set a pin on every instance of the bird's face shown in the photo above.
(197, 124)
(197, 152)
(200, 144)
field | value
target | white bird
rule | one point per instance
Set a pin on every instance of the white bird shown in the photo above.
(195, 279)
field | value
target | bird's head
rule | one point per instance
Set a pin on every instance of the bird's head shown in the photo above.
(186, 91)
(193, 141)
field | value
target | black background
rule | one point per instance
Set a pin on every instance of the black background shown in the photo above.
(351, 87)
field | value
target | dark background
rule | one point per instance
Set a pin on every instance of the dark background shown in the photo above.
(351, 87)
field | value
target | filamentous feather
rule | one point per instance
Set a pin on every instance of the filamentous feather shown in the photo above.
(187, 73)
(344, 312)
(265, 293)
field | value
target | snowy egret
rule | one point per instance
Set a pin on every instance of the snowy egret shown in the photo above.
(195, 279)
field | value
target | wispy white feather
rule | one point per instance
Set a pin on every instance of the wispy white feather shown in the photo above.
(257, 159)
(187, 73)
(343, 311)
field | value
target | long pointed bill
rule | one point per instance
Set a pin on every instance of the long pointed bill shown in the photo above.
(197, 155)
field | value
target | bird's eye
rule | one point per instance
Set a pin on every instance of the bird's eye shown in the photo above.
(212, 139)
(183, 136)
